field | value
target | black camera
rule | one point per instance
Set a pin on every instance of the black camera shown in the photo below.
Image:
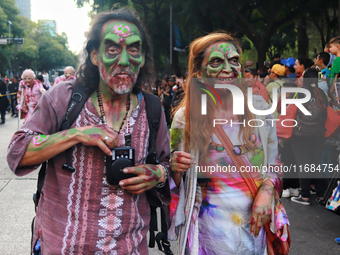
(121, 158)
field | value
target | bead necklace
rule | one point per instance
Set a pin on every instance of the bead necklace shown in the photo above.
(102, 113)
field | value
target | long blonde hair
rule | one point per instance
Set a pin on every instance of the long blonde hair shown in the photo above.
(198, 130)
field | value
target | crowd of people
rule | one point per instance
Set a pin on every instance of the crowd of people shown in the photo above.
(81, 210)
(21, 94)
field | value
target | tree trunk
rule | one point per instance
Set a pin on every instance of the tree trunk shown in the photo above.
(339, 17)
(302, 37)
(175, 66)
(261, 55)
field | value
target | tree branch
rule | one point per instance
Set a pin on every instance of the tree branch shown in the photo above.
(252, 36)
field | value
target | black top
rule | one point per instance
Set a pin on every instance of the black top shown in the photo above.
(13, 87)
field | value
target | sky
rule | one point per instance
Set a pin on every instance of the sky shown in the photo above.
(70, 19)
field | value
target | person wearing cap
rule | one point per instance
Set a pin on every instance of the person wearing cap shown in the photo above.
(276, 75)
(289, 66)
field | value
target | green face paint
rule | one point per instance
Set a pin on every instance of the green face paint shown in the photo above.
(221, 58)
(120, 56)
(39, 139)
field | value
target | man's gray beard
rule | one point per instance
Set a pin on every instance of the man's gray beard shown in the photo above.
(121, 91)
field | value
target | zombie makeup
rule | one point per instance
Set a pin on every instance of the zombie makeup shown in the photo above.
(39, 139)
(221, 62)
(28, 79)
(120, 57)
(68, 73)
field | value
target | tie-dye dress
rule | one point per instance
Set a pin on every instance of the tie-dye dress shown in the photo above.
(218, 222)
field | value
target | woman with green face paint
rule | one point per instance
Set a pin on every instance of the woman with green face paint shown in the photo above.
(80, 211)
(216, 211)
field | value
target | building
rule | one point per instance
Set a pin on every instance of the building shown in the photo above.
(24, 7)
(51, 25)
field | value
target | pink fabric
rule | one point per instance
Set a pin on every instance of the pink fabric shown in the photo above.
(62, 78)
(32, 96)
(80, 213)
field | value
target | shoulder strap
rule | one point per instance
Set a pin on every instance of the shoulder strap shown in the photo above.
(278, 84)
(78, 98)
(153, 108)
(238, 162)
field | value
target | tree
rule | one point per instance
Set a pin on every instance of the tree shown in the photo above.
(42, 51)
(258, 20)
(8, 12)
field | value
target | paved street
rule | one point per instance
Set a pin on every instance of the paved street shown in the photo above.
(313, 228)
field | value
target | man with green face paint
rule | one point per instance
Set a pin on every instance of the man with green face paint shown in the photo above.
(82, 212)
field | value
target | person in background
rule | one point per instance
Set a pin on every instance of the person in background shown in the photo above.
(167, 99)
(3, 101)
(290, 185)
(289, 65)
(307, 143)
(42, 80)
(277, 76)
(13, 88)
(177, 93)
(32, 90)
(46, 80)
(331, 56)
(276, 57)
(334, 48)
(250, 78)
(320, 62)
(301, 64)
(68, 74)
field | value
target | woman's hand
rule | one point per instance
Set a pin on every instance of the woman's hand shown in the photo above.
(180, 161)
(262, 208)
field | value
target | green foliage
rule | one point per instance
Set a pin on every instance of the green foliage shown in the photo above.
(264, 27)
(41, 51)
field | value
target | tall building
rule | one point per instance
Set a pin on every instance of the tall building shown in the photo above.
(51, 25)
(24, 7)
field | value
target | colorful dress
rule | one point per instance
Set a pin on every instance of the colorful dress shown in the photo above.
(215, 221)
(31, 96)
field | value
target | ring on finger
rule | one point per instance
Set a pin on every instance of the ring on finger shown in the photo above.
(105, 139)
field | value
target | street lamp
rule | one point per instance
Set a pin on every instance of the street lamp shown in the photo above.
(9, 31)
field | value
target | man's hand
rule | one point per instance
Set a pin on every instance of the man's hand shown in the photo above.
(262, 208)
(148, 177)
(95, 136)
